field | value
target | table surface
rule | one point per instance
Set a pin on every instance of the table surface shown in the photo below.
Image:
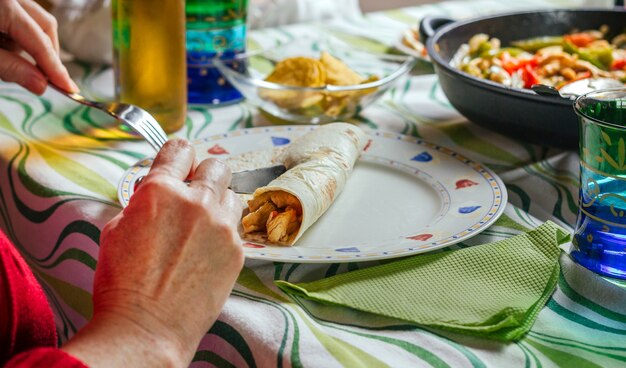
(62, 165)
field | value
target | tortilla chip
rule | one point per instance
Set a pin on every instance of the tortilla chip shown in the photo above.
(300, 72)
(337, 72)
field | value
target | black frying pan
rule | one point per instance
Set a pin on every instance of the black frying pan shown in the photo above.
(519, 113)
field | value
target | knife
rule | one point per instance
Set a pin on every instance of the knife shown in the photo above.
(246, 182)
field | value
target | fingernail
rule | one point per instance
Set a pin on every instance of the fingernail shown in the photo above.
(74, 86)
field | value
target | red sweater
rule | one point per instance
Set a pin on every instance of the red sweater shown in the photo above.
(27, 331)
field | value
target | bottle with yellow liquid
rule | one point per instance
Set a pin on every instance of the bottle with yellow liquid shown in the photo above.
(149, 58)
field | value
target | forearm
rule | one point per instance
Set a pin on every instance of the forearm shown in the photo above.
(113, 341)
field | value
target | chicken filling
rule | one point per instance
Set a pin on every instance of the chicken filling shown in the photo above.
(277, 213)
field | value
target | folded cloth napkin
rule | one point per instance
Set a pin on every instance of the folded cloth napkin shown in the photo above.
(493, 290)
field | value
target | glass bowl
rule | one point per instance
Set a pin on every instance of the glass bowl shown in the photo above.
(313, 105)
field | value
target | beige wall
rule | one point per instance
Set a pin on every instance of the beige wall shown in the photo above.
(374, 5)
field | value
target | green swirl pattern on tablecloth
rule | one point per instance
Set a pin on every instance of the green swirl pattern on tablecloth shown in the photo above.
(61, 164)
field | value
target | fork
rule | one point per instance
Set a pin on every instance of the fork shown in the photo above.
(136, 118)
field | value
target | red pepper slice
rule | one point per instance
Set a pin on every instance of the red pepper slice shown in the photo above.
(508, 63)
(511, 64)
(529, 76)
(579, 39)
(619, 64)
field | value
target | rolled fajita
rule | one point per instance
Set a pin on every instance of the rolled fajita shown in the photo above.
(318, 166)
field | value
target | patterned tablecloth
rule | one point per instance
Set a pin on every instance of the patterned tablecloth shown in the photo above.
(61, 166)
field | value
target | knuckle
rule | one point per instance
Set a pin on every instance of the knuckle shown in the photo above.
(149, 185)
(45, 52)
(218, 167)
(207, 193)
(51, 22)
(155, 186)
(47, 22)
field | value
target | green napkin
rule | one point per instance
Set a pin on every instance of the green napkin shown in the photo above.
(493, 290)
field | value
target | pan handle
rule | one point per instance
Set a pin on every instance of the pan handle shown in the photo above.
(429, 26)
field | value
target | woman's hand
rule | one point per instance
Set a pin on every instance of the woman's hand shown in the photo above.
(27, 27)
(167, 263)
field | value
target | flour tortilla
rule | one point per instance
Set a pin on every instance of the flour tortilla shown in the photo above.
(319, 163)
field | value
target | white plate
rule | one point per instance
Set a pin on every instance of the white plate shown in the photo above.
(416, 52)
(405, 196)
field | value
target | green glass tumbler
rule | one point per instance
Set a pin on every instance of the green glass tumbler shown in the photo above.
(214, 29)
(600, 233)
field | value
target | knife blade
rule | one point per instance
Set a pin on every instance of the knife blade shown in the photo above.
(247, 181)
(244, 182)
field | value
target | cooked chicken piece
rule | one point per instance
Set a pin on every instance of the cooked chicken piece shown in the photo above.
(568, 73)
(550, 69)
(280, 224)
(562, 58)
(582, 66)
(497, 74)
(257, 202)
(283, 199)
(476, 41)
(255, 221)
(484, 64)
(549, 51)
(277, 213)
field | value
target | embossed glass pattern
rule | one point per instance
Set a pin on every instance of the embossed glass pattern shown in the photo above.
(600, 235)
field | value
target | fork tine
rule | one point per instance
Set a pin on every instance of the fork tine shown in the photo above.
(155, 138)
(159, 138)
(146, 134)
(152, 141)
(153, 125)
(160, 133)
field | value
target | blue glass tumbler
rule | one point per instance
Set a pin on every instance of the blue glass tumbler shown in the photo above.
(214, 28)
(600, 234)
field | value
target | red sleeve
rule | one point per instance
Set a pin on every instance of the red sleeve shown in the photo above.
(27, 331)
(28, 317)
(44, 357)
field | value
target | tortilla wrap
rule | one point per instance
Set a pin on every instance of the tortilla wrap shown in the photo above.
(318, 166)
